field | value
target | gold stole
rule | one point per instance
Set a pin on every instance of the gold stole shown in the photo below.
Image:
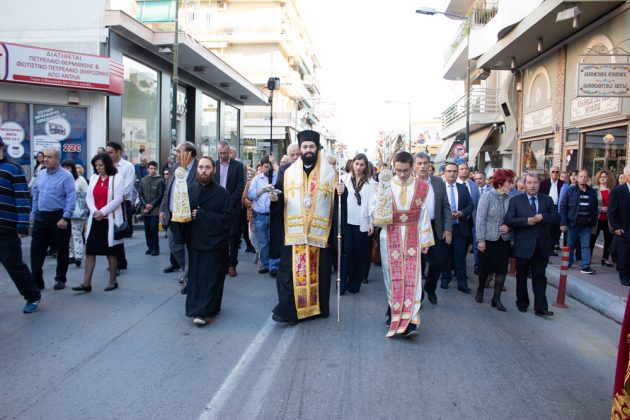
(308, 220)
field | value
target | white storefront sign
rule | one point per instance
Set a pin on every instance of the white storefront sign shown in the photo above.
(587, 108)
(541, 119)
(604, 80)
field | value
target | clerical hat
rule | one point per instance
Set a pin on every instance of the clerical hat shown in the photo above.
(308, 135)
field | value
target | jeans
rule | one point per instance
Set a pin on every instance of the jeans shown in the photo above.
(584, 235)
(151, 232)
(261, 225)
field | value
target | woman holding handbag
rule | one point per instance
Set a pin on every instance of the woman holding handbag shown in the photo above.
(79, 214)
(104, 198)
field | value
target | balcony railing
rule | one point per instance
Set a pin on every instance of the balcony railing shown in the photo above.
(479, 17)
(481, 101)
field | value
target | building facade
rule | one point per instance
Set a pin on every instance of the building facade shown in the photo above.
(210, 95)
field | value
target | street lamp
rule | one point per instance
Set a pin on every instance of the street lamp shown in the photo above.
(408, 119)
(430, 11)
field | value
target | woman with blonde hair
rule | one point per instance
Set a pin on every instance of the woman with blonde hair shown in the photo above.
(603, 183)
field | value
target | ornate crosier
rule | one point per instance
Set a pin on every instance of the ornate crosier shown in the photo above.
(181, 204)
(339, 150)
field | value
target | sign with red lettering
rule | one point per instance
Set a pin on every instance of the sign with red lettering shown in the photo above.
(41, 66)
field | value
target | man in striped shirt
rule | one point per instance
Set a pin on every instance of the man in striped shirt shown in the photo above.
(14, 216)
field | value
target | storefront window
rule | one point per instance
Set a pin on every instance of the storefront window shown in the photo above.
(537, 156)
(231, 125)
(209, 110)
(140, 112)
(605, 149)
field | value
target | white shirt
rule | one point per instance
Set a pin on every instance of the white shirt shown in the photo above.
(466, 183)
(128, 173)
(553, 192)
(358, 215)
(455, 194)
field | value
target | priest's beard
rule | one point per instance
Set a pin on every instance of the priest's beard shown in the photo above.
(204, 179)
(310, 158)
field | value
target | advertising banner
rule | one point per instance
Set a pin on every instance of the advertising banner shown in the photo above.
(41, 66)
(64, 126)
(15, 131)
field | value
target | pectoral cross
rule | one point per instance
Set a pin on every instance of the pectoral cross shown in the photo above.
(292, 188)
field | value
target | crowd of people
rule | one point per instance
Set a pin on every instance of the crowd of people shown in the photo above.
(419, 226)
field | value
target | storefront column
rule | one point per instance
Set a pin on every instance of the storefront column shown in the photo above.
(558, 137)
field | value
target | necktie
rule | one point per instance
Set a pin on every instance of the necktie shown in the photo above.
(480, 190)
(532, 204)
(451, 196)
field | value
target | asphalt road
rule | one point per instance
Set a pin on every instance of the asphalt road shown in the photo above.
(133, 354)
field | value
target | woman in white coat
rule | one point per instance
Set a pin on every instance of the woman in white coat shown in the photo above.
(356, 231)
(104, 197)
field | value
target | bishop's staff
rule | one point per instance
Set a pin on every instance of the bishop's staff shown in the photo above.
(339, 150)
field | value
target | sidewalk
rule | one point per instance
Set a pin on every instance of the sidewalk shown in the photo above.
(601, 291)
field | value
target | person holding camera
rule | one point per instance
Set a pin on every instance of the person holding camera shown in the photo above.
(260, 191)
(578, 216)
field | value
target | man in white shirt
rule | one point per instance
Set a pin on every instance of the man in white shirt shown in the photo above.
(552, 186)
(127, 171)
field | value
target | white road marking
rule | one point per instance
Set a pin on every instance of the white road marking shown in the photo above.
(229, 386)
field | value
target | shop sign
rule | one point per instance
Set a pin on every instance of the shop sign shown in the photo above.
(15, 131)
(41, 66)
(64, 127)
(586, 108)
(604, 80)
(538, 120)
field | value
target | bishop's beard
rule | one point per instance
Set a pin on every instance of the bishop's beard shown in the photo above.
(204, 179)
(309, 158)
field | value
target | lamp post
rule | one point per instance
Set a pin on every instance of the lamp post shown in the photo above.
(272, 84)
(408, 120)
(430, 11)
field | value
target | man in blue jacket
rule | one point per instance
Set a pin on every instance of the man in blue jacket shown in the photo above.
(578, 215)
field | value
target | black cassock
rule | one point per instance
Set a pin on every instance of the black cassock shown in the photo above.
(284, 282)
(207, 243)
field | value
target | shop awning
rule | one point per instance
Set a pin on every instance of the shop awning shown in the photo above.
(521, 41)
(193, 58)
(262, 133)
(443, 153)
(477, 140)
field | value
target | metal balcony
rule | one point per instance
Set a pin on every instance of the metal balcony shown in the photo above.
(479, 19)
(484, 109)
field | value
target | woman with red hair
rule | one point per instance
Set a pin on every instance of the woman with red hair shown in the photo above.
(493, 236)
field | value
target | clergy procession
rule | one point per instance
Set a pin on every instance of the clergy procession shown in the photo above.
(317, 226)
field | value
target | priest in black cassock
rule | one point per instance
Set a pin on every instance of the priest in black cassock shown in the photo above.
(207, 243)
(307, 200)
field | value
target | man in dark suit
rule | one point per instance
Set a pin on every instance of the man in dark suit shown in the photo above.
(461, 206)
(463, 178)
(440, 215)
(552, 186)
(175, 242)
(231, 176)
(619, 220)
(531, 215)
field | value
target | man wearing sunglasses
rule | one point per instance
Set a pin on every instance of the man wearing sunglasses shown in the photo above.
(552, 186)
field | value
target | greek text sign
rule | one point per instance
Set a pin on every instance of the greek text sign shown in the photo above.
(40, 66)
(538, 120)
(608, 80)
(586, 108)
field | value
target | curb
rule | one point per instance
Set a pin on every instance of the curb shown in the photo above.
(606, 303)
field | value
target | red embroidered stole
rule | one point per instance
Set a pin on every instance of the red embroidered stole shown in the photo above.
(404, 260)
(621, 391)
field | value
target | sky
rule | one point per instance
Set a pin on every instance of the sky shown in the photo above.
(376, 51)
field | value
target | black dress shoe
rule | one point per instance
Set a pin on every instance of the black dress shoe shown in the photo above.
(364, 281)
(82, 288)
(543, 312)
(112, 287)
(154, 253)
(606, 264)
(432, 298)
(554, 254)
(70, 260)
(522, 309)
(184, 290)
(411, 331)
(476, 271)
(59, 285)
(479, 296)
(278, 318)
(263, 271)
(273, 272)
(77, 262)
(443, 286)
(147, 252)
(170, 269)
(466, 290)
(624, 282)
(251, 250)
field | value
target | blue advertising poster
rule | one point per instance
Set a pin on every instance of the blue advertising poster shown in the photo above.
(64, 126)
(15, 131)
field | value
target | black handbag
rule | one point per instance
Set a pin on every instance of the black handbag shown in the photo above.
(123, 230)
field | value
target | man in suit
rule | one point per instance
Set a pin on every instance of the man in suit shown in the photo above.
(178, 256)
(619, 220)
(440, 215)
(530, 215)
(461, 206)
(463, 178)
(552, 186)
(230, 175)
